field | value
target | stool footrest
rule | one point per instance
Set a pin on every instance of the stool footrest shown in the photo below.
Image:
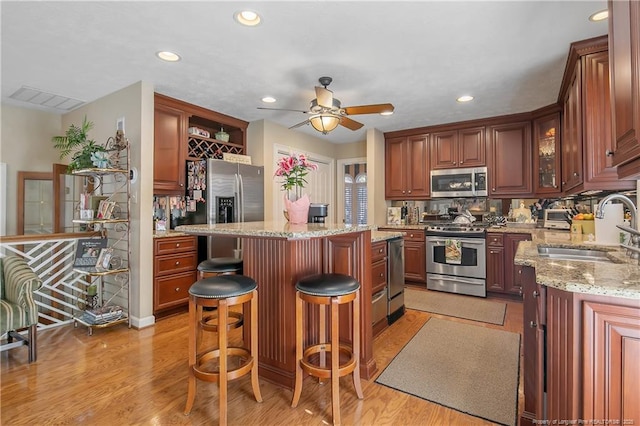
(325, 372)
(214, 376)
(210, 322)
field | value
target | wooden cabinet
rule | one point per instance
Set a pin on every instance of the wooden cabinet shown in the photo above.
(169, 149)
(407, 167)
(184, 131)
(174, 270)
(458, 148)
(415, 255)
(503, 276)
(510, 159)
(379, 280)
(546, 155)
(624, 52)
(586, 130)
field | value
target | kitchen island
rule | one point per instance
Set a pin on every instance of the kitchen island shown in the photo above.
(277, 255)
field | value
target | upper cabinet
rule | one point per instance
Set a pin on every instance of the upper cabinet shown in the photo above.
(586, 128)
(407, 167)
(624, 53)
(510, 161)
(184, 131)
(458, 148)
(546, 154)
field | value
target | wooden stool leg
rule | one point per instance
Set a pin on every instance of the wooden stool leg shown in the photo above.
(335, 360)
(322, 336)
(356, 345)
(297, 390)
(193, 331)
(254, 347)
(222, 344)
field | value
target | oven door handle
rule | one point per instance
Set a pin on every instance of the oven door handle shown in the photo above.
(455, 279)
(477, 242)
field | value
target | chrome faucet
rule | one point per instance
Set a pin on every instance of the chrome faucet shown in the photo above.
(625, 200)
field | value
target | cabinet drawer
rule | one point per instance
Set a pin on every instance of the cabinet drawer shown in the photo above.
(170, 245)
(185, 262)
(172, 290)
(378, 251)
(495, 239)
(416, 235)
(378, 276)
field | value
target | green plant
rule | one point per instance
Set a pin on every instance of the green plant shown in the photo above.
(76, 141)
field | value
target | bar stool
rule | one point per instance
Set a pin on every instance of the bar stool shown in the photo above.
(222, 292)
(328, 290)
(219, 266)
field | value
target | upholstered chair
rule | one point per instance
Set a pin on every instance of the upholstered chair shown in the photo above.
(18, 309)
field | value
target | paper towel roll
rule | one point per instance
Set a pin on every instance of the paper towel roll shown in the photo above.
(606, 231)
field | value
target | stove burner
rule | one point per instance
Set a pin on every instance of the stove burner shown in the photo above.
(456, 229)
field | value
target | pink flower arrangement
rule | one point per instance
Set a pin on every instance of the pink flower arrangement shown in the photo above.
(294, 169)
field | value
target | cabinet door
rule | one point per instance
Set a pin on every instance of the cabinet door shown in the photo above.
(611, 367)
(395, 168)
(169, 149)
(546, 155)
(624, 52)
(495, 269)
(532, 349)
(444, 150)
(472, 147)
(510, 146)
(572, 134)
(513, 272)
(418, 166)
(415, 262)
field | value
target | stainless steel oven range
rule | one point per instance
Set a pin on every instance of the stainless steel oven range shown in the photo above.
(456, 258)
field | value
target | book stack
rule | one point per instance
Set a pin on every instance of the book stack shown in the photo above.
(103, 314)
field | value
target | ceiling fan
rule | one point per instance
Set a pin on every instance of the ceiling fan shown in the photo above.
(326, 113)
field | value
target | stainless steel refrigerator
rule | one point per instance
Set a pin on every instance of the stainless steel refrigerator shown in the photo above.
(233, 193)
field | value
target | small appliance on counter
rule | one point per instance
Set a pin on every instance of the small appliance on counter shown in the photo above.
(556, 219)
(318, 212)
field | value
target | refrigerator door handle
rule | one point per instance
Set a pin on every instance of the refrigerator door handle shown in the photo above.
(236, 189)
(241, 198)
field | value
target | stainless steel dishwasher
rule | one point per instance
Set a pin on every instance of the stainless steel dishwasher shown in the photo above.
(395, 287)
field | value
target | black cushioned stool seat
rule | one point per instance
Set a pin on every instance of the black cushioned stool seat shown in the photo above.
(219, 266)
(222, 292)
(328, 290)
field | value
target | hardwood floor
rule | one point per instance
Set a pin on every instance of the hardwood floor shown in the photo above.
(123, 376)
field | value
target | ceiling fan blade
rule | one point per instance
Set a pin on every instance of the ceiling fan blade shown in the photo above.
(285, 109)
(368, 109)
(295, 126)
(324, 97)
(349, 123)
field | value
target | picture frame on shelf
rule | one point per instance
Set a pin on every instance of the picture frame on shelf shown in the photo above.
(104, 259)
(88, 251)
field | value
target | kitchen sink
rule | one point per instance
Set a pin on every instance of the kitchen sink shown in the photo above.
(564, 253)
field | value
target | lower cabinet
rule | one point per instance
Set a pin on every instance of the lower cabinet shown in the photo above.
(503, 276)
(415, 255)
(379, 281)
(175, 260)
(582, 352)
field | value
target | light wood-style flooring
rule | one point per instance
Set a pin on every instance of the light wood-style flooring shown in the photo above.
(122, 376)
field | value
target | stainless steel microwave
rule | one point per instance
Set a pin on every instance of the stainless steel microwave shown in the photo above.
(471, 182)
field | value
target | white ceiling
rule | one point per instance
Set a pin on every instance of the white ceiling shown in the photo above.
(418, 55)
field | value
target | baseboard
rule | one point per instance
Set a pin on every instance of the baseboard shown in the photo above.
(143, 322)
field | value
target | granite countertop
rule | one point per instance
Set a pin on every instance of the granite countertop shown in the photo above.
(169, 233)
(274, 229)
(384, 235)
(420, 226)
(619, 279)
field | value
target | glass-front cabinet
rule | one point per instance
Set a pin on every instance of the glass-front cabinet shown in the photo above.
(546, 134)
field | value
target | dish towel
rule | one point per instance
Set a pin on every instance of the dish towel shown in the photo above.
(453, 251)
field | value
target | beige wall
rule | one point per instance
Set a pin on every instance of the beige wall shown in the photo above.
(377, 205)
(25, 145)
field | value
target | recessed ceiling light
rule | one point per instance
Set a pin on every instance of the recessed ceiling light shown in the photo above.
(248, 18)
(165, 55)
(268, 99)
(599, 16)
(465, 98)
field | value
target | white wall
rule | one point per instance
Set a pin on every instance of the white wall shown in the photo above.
(377, 205)
(25, 145)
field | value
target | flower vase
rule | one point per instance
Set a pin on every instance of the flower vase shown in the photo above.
(298, 210)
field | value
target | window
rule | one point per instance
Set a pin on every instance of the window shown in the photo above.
(355, 199)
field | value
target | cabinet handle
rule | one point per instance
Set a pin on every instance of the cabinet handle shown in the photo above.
(564, 183)
(555, 186)
(177, 262)
(535, 293)
(519, 271)
(576, 174)
(608, 153)
(380, 251)
(182, 184)
(533, 324)
(454, 163)
(177, 245)
(520, 291)
(381, 274)
(409, 191)
(403, 192)
(493, 189)
(411, 236)
(177, 289)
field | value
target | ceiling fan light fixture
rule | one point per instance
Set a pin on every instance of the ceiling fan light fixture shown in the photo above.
(325, 122)
(248, 18)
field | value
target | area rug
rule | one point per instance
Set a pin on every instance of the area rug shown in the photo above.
(465, 367)
(455, 305)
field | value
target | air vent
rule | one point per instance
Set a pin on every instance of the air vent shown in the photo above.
(45, 99)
